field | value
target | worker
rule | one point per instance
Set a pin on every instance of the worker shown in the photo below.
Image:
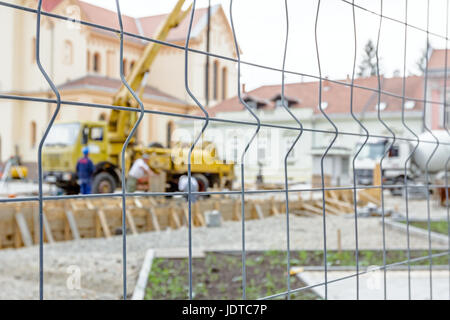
(138, 170)
(183, 186)
(85, 170)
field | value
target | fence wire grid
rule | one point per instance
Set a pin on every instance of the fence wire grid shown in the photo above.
(257, 124)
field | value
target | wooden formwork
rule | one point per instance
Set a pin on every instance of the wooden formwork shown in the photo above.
(102, 217)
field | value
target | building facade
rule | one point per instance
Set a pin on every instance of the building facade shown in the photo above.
(83, 62)
(279, 131)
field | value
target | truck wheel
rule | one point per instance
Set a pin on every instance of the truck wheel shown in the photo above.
(73, 189)
(103, 183)
(155, 145)
(203, 183)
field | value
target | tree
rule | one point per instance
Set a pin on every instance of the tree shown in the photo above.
(422, 62)
(368, 65)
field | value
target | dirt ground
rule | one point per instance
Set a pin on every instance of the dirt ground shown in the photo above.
(98, 262)
(218, 275)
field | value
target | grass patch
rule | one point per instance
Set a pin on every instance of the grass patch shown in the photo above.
(435, 226)
(219, 275)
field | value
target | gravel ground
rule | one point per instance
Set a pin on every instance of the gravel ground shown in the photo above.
(417, 208)
(99, 261)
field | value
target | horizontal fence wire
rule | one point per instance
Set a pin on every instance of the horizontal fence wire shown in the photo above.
(212, 119)
(258, 124)
(206, 193)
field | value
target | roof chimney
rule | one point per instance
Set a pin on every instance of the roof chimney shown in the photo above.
(243, 88)
(326, 84)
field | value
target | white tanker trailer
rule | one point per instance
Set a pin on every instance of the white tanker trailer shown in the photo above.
(424, 150)
(394, 162)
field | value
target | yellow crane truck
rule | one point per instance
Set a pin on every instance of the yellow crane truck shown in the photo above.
(64, 144)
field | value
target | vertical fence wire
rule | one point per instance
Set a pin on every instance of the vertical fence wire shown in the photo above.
(425, 126)
(446, 120)
(322, 159)
(197, 138)
(41, 144)
(244, 152)
(388, 148)
(286, 186)
(358, 151)
(408, 159)
(123, 152)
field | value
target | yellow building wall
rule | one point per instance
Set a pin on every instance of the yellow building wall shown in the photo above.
(64, 48)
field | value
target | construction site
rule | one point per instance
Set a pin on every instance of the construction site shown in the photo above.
(136, 164)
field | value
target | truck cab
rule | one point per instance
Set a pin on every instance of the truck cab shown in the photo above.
(63, 147)
(393, 163)
(366, 160)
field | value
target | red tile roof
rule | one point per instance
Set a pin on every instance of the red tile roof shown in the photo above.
(49, 5)
(437, 59)
(145, 26)
(337, 96)
(112, 85)
(150, 24)
(106, 17)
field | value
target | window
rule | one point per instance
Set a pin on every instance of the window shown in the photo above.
(68, 53)
(447, 117)
(382, 106)
(125, 70)
(345, 165)
(446, 121)
(394, 151)
(170, 128)
(224, 83)
(410, 104)
(97, 62)
(324, 105)
(207, 83)
(96, 134)
(262, 146)
(102, 117)
(279, 103)
(252, 104)
(33, 134)
(88, 61)
(215, 80)
(235, 149)
(289, 142)
(63, 134)
(85, 135)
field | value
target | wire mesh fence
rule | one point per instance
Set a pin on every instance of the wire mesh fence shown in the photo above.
(257, 125)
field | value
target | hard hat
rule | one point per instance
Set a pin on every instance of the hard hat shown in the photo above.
(85, 150)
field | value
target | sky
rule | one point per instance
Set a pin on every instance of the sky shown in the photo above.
(261, 32)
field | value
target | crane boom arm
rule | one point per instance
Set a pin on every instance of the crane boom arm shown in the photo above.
(120, 122)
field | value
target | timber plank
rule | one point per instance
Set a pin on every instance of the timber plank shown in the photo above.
(72, 224)
(23, 228)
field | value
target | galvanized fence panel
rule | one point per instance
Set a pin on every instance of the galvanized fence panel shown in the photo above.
(257, 124)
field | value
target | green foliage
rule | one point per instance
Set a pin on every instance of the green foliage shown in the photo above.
(218, 275)
(368, 64)
(303, 255)
(435, 226)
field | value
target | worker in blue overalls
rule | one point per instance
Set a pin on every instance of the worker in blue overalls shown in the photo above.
(85, 169)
